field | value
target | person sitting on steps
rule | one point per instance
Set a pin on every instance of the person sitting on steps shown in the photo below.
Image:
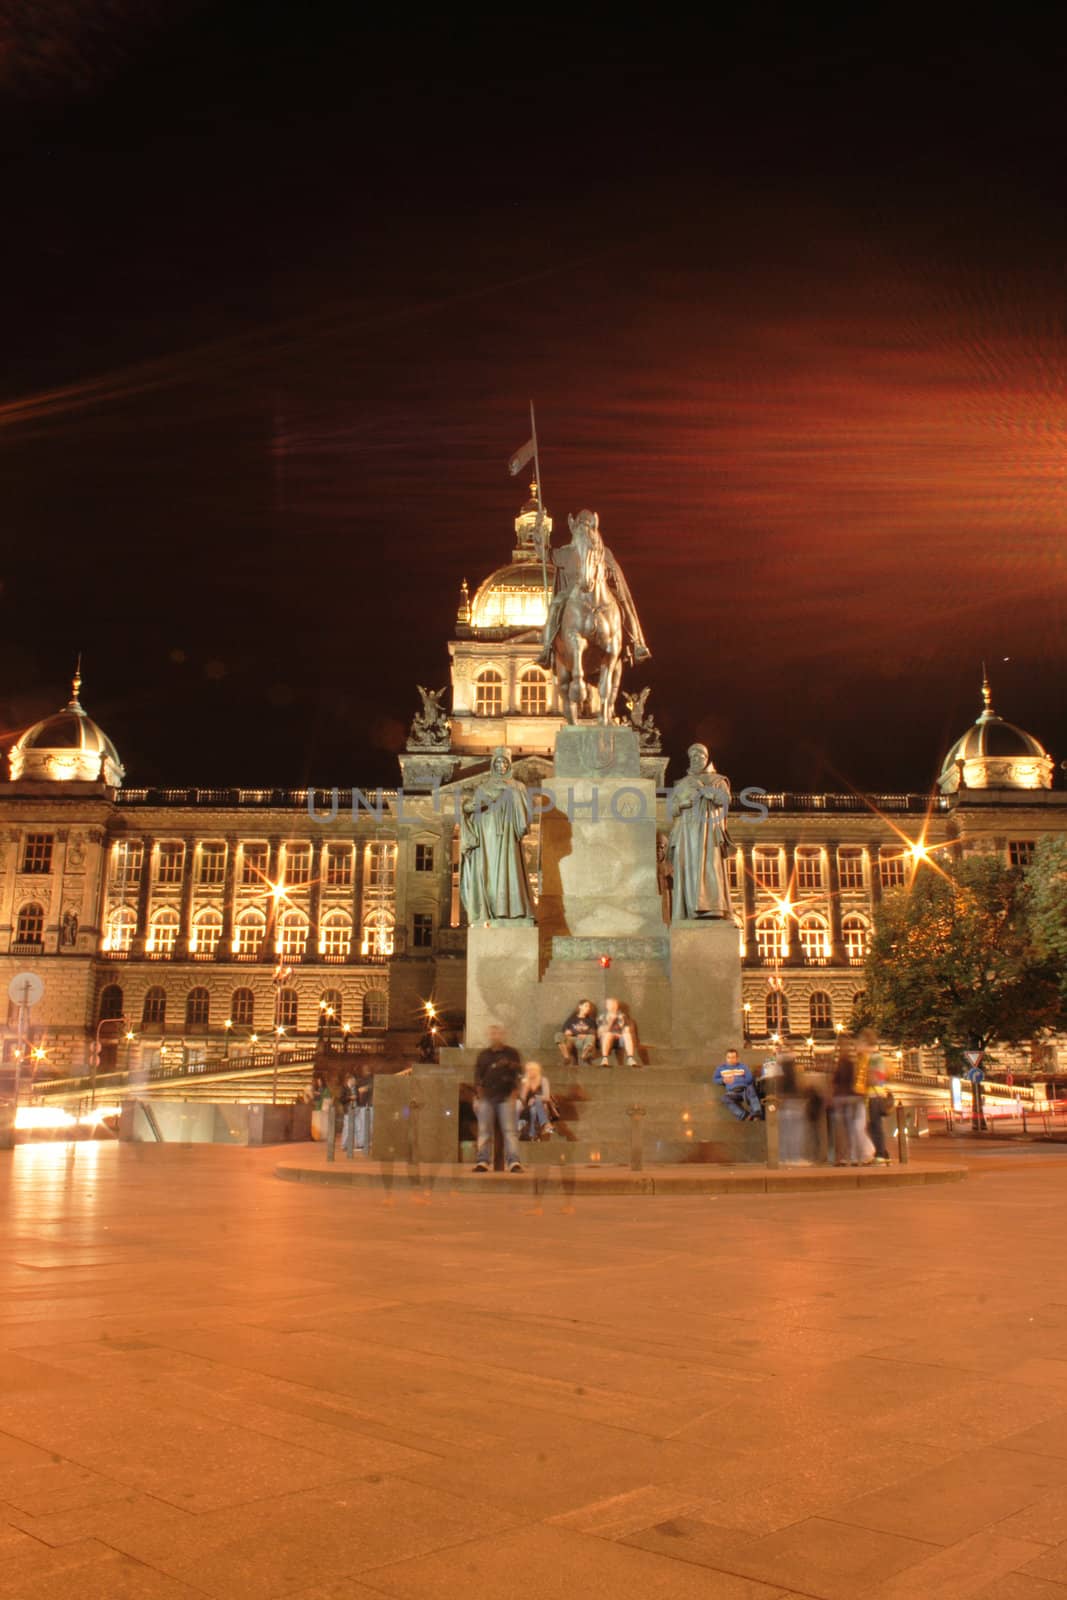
(535, 1103)
(738, 1089)
(577, 1037)
(615, 1031)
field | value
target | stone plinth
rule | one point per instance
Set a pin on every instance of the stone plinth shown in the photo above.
(436, 1093)
(502, 974)
(706, 986)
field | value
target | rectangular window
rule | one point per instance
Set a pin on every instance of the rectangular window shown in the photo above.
(37, 852)
(339, 866)
(733, 868)
(767, 868)
(170, 863)
(212, 863)
(422, 930)
(809, 869)
(850, 867)
(891, 869)
(1020, 852)
(127, 861)
(424, 858)
(380, 867)
(254, 859)
(297, 864)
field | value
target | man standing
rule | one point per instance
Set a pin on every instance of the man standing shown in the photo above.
(496, 1079)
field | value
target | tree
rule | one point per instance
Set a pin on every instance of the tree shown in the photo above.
(954, 960)
(1046, 897)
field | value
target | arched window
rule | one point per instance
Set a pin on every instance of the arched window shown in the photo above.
(488, 694)
(154, 1014)
(533, 693)
(30, 926)
(163, 934)
(330, 1007)
(243, 1008)
(112, 1003)
(287, 1009)
(378, 932)
(375, 1008)
(770, 936)
(777, 1013)
(121, 927)
(335, 935)
(251, 927)
(293, 935)
(197, 1008)
(856, 935)
(821, 1011)
(814, 942)
(207, 931)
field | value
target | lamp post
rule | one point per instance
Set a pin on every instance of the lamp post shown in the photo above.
(746, 1018)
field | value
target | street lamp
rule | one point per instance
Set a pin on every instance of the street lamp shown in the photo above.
(747, 1019)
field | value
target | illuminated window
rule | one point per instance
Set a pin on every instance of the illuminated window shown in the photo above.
(1020, 852)
(335, 934)
(379, 868)
(127, 861)
(770, 937)
(163, 935)
(809, 868)
(891, 869)
(378, 932)
(338, 866)
(814, 941)
(850, 867)
(297, 864)
(207, 931)
(155, 1009)
(821, 1011)
(733, 869)
(375, 1008)
(37, 852)
(170, 863)
(856, 935)
(30, 926)
(330, 1007)
(777, 1013)
(293, 938)
(243, 1008)
(251, 928)
(254, 861)
(197, 1008)
(212, 863)
(767, 868)
(286, 1008)
(121, 927)
(488, 694)
(422, 930)
(533, 693)
(112, 1003)
(424, 858)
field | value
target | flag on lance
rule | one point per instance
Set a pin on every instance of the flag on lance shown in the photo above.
(524, 454)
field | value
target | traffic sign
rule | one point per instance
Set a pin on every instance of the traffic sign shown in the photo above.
(973, 1058)
(25, 989)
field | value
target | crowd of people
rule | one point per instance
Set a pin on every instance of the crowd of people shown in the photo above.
(842, 1113)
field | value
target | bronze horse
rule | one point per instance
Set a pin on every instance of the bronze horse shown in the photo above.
(590, 617)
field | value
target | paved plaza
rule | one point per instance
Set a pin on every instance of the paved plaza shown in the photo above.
(218, 1384)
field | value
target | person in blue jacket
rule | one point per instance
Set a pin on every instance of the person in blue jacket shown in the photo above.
(739, 1089)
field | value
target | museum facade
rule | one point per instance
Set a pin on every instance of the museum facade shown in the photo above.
(196, 920)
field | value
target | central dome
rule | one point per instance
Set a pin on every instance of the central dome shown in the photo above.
(994, 754)
(511, 597)
(68, 745)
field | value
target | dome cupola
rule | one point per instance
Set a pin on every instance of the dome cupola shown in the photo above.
(994, 754)
(67, 746)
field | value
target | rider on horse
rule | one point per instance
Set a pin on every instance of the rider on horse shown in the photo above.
(567, 564)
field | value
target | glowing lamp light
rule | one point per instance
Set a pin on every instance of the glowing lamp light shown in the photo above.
(919, 851)
(603, 961)
(253, 1038)
(130, 1036)
(776, 1038)
(228, 1024)
(235, 944)
(38, 1053)
(192, 944)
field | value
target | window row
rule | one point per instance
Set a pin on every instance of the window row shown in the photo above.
(290, 932)
(813, 933)
(811, 873)
(533, 693)
(820, 1012)
(282, 1011)
(296, 865)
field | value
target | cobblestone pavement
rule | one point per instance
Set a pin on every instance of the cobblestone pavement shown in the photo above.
(214, 1383)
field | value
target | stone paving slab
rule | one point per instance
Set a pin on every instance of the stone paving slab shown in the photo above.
(213, 1384)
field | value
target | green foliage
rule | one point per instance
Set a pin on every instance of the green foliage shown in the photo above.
(954, 960)
(1046, 897)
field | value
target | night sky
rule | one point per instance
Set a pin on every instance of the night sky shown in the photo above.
(278, 286)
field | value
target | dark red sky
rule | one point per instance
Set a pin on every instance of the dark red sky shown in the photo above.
(792, 309)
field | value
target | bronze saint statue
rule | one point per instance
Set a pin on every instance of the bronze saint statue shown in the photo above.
(494, 820)
(699, 840)
(591, 605)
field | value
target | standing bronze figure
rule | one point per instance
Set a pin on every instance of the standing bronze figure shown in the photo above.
(699, 841)
(494, 821)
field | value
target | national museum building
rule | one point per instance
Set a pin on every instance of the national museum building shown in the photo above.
(209, 917)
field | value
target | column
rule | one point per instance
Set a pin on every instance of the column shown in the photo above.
(144, 891)
(274, 862)
(875, 884)
(223, 951)
(185, 913)
(748, 903)
(837, 939)
(315, 901)
(795, 958)
(359, 846)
